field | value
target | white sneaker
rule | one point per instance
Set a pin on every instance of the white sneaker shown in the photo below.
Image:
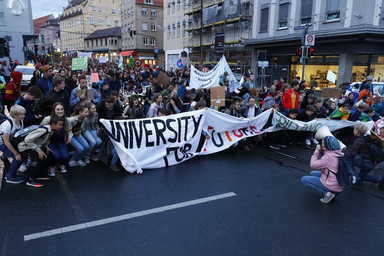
(315, 141)
(86, 160)
(63, 169)
(52, 172)
(72, 163)
(308, 142)
(80, 163)
(23, 167)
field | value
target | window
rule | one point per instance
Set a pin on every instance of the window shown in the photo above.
(264, 16)
(178, 5)
(88, 44)
(143, 11)
(116, 23)
(100, 9)
(132, 10)
(144, 26)
(93, 8)
(145, 40)
(42, 39)
(153, 27)
(108, 22)
(169, 32)
(91, 20)
(2, 20)
(283, 15)
(153, 12)
(306, 11)
(153, 41)
(169, 8)
(113, 10)
(148, 1)
(173, 6)
(173, 30)
(97, 43)
(184, 26)
(178, 29)
(101, 42)
(333, 9)
(106, 41)
(100, 21)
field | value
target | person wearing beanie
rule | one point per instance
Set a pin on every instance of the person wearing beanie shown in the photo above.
(325, 181)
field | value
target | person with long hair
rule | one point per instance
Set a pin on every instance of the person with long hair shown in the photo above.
(136, 108)
(157, 102)
(59, 139)
(78, 125)
(92, 125)
(175, 105)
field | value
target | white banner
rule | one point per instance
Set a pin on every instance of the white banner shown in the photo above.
(164, 141)
(84, 54)
(212, 77)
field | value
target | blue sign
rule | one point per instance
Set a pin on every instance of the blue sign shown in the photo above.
(179, 63)
(156, 50)
(299, 27)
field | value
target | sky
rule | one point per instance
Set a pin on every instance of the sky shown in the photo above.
(42, 8)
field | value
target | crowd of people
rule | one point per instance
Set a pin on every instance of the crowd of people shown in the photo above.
(66, 108)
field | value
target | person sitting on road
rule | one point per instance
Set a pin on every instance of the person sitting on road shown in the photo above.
(341, 113)
(363, 159)
(234, 109)
(27, 101)
(325, 181)
(157, 102)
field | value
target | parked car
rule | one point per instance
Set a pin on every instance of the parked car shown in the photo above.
(27, 74)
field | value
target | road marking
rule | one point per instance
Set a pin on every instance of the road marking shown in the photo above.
(125, 217)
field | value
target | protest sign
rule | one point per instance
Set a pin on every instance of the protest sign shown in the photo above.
(89, 93)
(79, 63)
(95, 77)
(217, 96)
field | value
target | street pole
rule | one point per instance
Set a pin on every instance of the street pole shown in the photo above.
(201, 33)
(304, 51)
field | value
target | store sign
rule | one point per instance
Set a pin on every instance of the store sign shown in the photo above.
(16, 7)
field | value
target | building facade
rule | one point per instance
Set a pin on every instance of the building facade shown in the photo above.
(142, 31)
(347, 35)
(215, 28)
(15, 25)
(83, 17)
(104, 43)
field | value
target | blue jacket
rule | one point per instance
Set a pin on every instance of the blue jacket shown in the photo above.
(45, 84)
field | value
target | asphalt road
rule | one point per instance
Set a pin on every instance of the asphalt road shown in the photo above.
(230, 203)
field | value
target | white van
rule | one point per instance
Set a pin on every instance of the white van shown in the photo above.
(27, 74)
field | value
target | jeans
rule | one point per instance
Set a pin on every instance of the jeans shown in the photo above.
(93, 140)
(12, 172)
(366, 168)
(81, 146)
(115, 157)
(60, 151)
(314, 182)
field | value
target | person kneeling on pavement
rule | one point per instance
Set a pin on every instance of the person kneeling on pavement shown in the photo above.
(35, 146)
(325, 181)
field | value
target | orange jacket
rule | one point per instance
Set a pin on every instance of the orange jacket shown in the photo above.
(365, 92)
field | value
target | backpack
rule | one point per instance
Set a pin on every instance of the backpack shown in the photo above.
(20, 135)
(346, 172)
(376, 153)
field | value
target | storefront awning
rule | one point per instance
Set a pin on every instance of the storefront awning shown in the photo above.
(126, 53)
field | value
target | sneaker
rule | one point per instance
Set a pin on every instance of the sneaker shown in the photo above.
(63, 169)
(327, 199)
(315, 141)
(14, 180)
(86, 160)
(80, 163)
(274, 147)
(23, 167)
(35, 184)
(52, 171)
(115, 167)
(93, 158)
(72, 163)
(246, 148)
(308, 142)
(43, 178)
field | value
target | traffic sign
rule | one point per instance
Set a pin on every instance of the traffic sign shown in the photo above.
(309, 40)
(299, 27)
(138, 62)
(179, 63)
(205, 69)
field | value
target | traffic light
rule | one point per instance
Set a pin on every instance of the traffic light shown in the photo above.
(311, 51)
(299, 52)
(36, 47)
(130, 33)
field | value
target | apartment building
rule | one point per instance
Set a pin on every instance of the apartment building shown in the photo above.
(347, 34)
(83, 17)
(214, 28)
(142, 31)
(104, 43)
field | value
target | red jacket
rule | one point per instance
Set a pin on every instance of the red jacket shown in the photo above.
(12, 93)
(287, 99)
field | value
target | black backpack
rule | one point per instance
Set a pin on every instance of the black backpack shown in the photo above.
(346, 173)
(20, 135)
(376, 153)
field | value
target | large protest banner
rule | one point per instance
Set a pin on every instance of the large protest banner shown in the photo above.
(164, 141)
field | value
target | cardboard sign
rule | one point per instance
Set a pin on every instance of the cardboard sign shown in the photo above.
(186, 61)
(79, 63)
(89, 93)
(217, 96)
(66, 60)
(330, 93)
(95, 77)
(163, 79)
(56, 57)
(102, 59)
(378, 139)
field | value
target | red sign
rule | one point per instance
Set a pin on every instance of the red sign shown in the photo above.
(205, 69)
(138, 62)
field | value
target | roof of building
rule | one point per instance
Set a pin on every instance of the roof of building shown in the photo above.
(74, 3)
(101, 33)
(39, 23)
